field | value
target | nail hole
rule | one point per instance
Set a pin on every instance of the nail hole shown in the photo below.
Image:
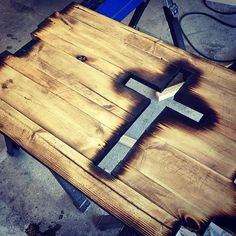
(82, 58)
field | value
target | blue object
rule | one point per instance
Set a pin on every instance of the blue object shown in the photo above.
(118, 9)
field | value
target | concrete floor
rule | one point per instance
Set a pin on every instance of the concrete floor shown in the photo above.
(29, 194)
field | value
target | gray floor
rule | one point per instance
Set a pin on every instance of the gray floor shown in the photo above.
(29, 193)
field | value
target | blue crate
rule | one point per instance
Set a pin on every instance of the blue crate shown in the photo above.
(118, 9)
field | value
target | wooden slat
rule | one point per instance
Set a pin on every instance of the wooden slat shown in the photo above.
(128, 205)
(70, 95)
(155, 72)
(210, 148)
(153, 46)
(71, 125)
(67, 93)
(210, 71)
(90, 30)
(76, 72)
(104, 24)
(177, 172)
(91, 95)
(182, 175)
(208, 98)
(93, 59)
(162, 196)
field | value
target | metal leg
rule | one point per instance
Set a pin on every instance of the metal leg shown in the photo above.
(233, 66)
(171, 14)
(80, 201)
(12, 147)
(138, 14)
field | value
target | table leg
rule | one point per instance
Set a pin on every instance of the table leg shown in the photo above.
(80, 201)
(232, 66)
(171, 14)
(138, 14)
(12, 147)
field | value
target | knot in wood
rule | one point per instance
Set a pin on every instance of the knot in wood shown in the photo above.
(82, 58)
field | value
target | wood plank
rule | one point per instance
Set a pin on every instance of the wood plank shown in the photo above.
(107, 25)
(213, 101)
(169, 92)
(94, 28)
(210, 71)
(156, 47)
(71, 125)
(101, 187)
(189, 215)
(156, 73)
(208, 147)
(76, 72)
(93, 59)
(184, 176)
(67, 93)
(84, 91)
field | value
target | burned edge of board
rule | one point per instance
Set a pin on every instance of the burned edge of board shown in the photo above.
(184, 95)
(122, 129)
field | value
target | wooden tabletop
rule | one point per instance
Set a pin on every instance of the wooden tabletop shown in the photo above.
(63, 99)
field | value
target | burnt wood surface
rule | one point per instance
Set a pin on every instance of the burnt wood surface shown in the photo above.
(63, 99)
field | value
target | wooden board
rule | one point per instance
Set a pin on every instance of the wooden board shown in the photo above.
(96, 101)
(179, 169)
(101, 187)
(150, 69)
(69, 113)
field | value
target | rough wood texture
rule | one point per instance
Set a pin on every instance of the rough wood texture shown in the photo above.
(69, 112)
(108, 192)
(183, 167)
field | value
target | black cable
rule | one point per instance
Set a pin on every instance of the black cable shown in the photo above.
(208, 15)
(190, 43)
(220, 12)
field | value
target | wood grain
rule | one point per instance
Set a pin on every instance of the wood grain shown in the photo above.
(77, 169)
(211, 100)
(191, 216)
(156, 47)
(66, 93)
(76, 72)
(210, 148)
(155, 73)
(209, 71)
(187, 179)
(69, 113)
(86, 135)
(74, 50)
